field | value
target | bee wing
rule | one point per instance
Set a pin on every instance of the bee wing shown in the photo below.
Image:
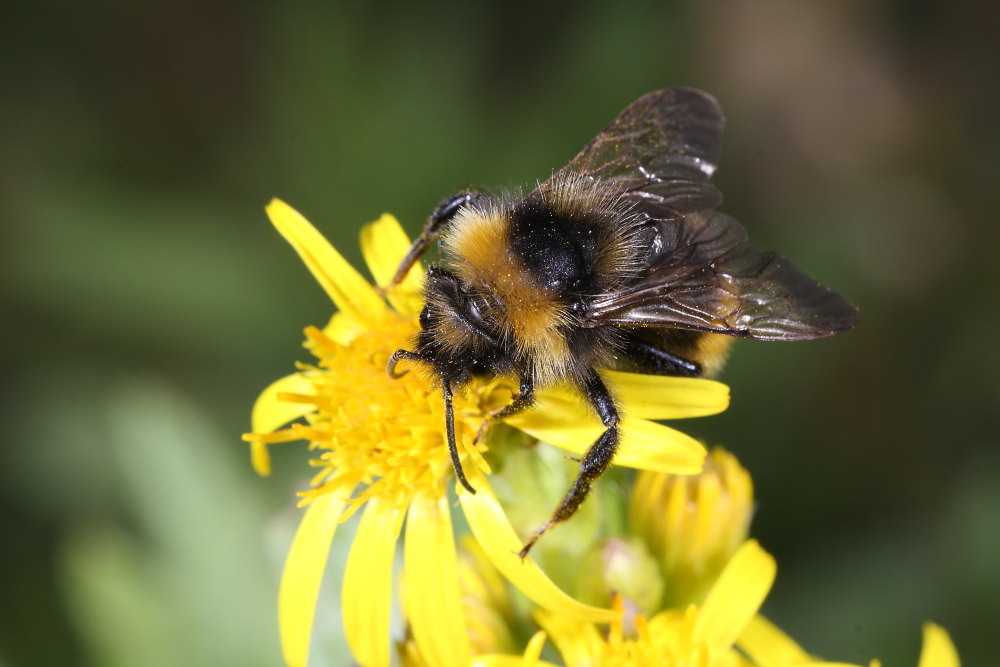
(703, 275)
(663, 147)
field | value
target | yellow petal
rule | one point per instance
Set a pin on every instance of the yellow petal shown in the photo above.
(303, 574)
(367, 588)
(260, 458)
(345, 286)
(499, 661)
(508, 661)
(384, 244)
(433, 600)
(270, 413)
(564, 421)
(533, 651)
(343, 329)
(578, 643)
(531, 657)
(768, 646)
(664, 397)
(501, 544)
(735, 597)
(651, 446)
(938, 650)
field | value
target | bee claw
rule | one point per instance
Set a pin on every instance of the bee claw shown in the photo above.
(394, 359)
(523, 553)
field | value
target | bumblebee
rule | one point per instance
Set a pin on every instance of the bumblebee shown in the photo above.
(619, 260)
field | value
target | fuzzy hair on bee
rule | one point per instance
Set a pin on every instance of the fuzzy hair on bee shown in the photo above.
(619, 260)
(530, 262)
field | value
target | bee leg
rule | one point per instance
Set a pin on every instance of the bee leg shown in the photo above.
(595, 461)
(523, 399)
(444, 213)
(656, 361)
(449, 424)
(394, 359)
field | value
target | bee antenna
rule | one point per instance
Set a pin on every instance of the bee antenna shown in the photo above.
(449, 421)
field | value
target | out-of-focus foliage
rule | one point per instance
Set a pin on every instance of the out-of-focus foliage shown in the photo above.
(146, 300)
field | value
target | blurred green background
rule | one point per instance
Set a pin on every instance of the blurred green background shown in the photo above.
(146, 300)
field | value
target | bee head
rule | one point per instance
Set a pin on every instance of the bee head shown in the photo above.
(458, 336)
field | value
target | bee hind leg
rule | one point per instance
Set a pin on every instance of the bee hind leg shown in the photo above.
(597, 459)
(655, 360)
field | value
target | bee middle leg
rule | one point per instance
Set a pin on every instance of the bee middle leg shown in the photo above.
(523, 399)
(594, 463)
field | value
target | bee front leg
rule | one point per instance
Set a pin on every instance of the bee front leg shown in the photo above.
(523, 399)
(439, 218)
(595, 461)
(449, 424)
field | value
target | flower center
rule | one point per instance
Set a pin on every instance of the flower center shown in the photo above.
(383, 433)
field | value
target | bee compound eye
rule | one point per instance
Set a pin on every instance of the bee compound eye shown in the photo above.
(425, 318)
(474, 311)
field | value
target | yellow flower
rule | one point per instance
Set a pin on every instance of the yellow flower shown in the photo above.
(380, 444)
(768, 646)
(487, 604)
(938, 649)
(702, 636)
(694, 528)
(681, 532)
(693, 524)
(723, 631)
